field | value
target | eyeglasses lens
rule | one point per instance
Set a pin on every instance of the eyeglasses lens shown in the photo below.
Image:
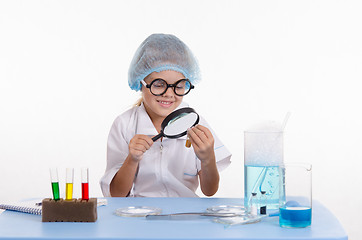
(159, 87)
(182, 87)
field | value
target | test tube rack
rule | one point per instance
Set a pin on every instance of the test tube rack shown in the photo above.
(74, 210)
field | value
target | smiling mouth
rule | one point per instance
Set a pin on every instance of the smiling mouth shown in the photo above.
(165, 103)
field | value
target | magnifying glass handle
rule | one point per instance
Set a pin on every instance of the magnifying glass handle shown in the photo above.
(155, 138)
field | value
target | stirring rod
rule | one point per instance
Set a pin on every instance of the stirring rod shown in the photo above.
(285, 120)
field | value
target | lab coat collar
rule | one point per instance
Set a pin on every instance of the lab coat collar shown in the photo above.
(144, 122)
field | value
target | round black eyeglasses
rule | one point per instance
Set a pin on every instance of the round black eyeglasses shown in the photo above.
(159, 87)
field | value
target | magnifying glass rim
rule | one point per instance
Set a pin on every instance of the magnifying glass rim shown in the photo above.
(175, 114)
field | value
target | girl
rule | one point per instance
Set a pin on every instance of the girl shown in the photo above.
(164, 69)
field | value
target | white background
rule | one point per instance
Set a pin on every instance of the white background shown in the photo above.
(63, 73)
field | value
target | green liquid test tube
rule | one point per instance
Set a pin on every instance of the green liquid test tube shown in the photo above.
(55, 188)
(55, 183)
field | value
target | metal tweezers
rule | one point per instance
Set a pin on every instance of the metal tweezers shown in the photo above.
(188, 216)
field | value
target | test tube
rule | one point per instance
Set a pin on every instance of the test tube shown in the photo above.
(55, 183)
(85, 186)
(253, 205)
(188, 142)
(263, 203)
(69, 184)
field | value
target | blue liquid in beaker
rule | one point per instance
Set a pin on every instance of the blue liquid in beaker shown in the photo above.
(295, 217)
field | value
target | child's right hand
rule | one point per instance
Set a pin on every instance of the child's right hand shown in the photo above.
(138, 145)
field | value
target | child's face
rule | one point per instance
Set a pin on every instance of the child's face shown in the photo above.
(158, 107)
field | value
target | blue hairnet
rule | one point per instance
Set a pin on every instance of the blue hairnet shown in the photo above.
(160, 52)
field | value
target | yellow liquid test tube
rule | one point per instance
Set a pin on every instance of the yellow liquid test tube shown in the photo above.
(69, 184)
(69, 191)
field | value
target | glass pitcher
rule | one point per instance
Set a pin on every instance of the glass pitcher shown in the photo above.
(263, 154)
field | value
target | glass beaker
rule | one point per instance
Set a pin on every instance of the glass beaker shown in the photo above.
(295, 206)
(263, 153)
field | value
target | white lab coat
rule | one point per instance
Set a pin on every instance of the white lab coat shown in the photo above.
(167, 169)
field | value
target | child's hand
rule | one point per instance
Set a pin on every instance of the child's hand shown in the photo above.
(138, 145)
(203, 142)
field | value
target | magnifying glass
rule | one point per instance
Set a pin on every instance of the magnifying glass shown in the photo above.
(175, 125)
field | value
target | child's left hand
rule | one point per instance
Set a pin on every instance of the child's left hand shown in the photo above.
(202, 141)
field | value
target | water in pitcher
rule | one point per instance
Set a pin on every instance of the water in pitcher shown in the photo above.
(259, 179)
(263, 153)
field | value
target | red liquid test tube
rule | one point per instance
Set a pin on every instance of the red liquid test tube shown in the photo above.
(85, 185)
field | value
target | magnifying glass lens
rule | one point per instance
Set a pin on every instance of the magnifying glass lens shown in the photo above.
(175, 125)
(180, 124)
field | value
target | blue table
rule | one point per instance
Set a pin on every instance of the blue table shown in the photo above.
(15, 225)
